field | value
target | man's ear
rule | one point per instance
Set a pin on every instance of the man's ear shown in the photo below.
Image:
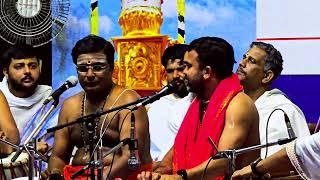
(5, 72)
(40, 65)
(268, 77)
(207, 72)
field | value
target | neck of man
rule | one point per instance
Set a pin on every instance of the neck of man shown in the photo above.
(255, 93)
(98, 97)
(21, 93)
(208, 89)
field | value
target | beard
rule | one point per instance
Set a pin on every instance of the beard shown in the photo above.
(182, 91)
(17, 85)
(195, 85)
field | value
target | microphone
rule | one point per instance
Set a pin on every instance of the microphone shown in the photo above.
(168, 89)
(285, 140)
(133, 162)
(289, 127)
(70, 82)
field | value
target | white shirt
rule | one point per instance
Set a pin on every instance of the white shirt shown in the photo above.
(165, 118)
(23, 109)
(304, 155)
(266, 103)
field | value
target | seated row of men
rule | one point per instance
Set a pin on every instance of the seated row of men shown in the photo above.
(234, 110)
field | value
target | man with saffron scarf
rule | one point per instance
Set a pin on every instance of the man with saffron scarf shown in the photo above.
(220, 111)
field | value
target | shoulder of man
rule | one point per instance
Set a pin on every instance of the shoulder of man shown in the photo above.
(125, 95)
(242, 105)
(70, 101)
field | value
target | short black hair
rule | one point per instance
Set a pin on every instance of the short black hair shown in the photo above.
(274, 61)
(216, 53)
(173, 52)
(93, 44)
(21, 51)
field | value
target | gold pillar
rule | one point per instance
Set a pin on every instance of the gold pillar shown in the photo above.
(140, 48)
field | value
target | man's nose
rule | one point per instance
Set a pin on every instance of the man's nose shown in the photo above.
(181, 75)
(90, 73)
(175, 73)
(26, 70)
(243, 63)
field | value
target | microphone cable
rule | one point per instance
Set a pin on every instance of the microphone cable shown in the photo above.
(278, 109)
(205, 169)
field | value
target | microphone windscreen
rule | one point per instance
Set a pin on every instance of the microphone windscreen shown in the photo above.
(72, 80)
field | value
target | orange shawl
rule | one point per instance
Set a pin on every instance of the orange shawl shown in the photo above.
(191, 146)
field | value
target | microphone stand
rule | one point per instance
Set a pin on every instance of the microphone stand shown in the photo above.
(94, 115)
(96, 164)
(30, 149)
(133, 162)
(30, 146)
(231, 154)
(89, 119)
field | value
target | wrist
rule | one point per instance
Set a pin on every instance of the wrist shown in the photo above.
(55, 176)
(254, 169)
(183, 174)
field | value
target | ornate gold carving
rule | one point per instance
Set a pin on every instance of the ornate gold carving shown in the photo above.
(140, 49)
(139, 64)
(140, 22)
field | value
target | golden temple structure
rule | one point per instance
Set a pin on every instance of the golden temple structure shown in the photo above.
(140, 48)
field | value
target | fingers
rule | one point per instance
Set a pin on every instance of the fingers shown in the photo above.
(45, 174)
(42, 146)
(147, 175)
(236, 175)
(2, 135)
(141, 176)
(156, 176)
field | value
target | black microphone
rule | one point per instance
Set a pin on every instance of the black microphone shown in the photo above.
(70, 82)
(133, 162)
(289, 127)
(168, 89)
(285, 140)
(17, 154)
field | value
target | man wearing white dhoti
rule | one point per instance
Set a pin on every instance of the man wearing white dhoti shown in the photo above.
(22, 70)
(261, 65)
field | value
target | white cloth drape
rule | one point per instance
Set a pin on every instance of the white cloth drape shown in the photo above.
(304, 155)
(23, 109)
(277, 128)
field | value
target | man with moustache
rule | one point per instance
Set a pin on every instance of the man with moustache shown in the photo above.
(22, 69)
(260, 66)
(220, 111)
(94, 60)
(166, 114)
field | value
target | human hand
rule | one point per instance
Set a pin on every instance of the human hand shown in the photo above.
(246, 173)
(4, 149)
(45, 174)
(171, 177)
(2, 135)
(155, 165)
(146, 175)
(42, 146)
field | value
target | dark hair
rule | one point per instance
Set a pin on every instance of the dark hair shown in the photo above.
(173, 52)
(17, 52)
(273, 59)
(93, 44)
(216, 53)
